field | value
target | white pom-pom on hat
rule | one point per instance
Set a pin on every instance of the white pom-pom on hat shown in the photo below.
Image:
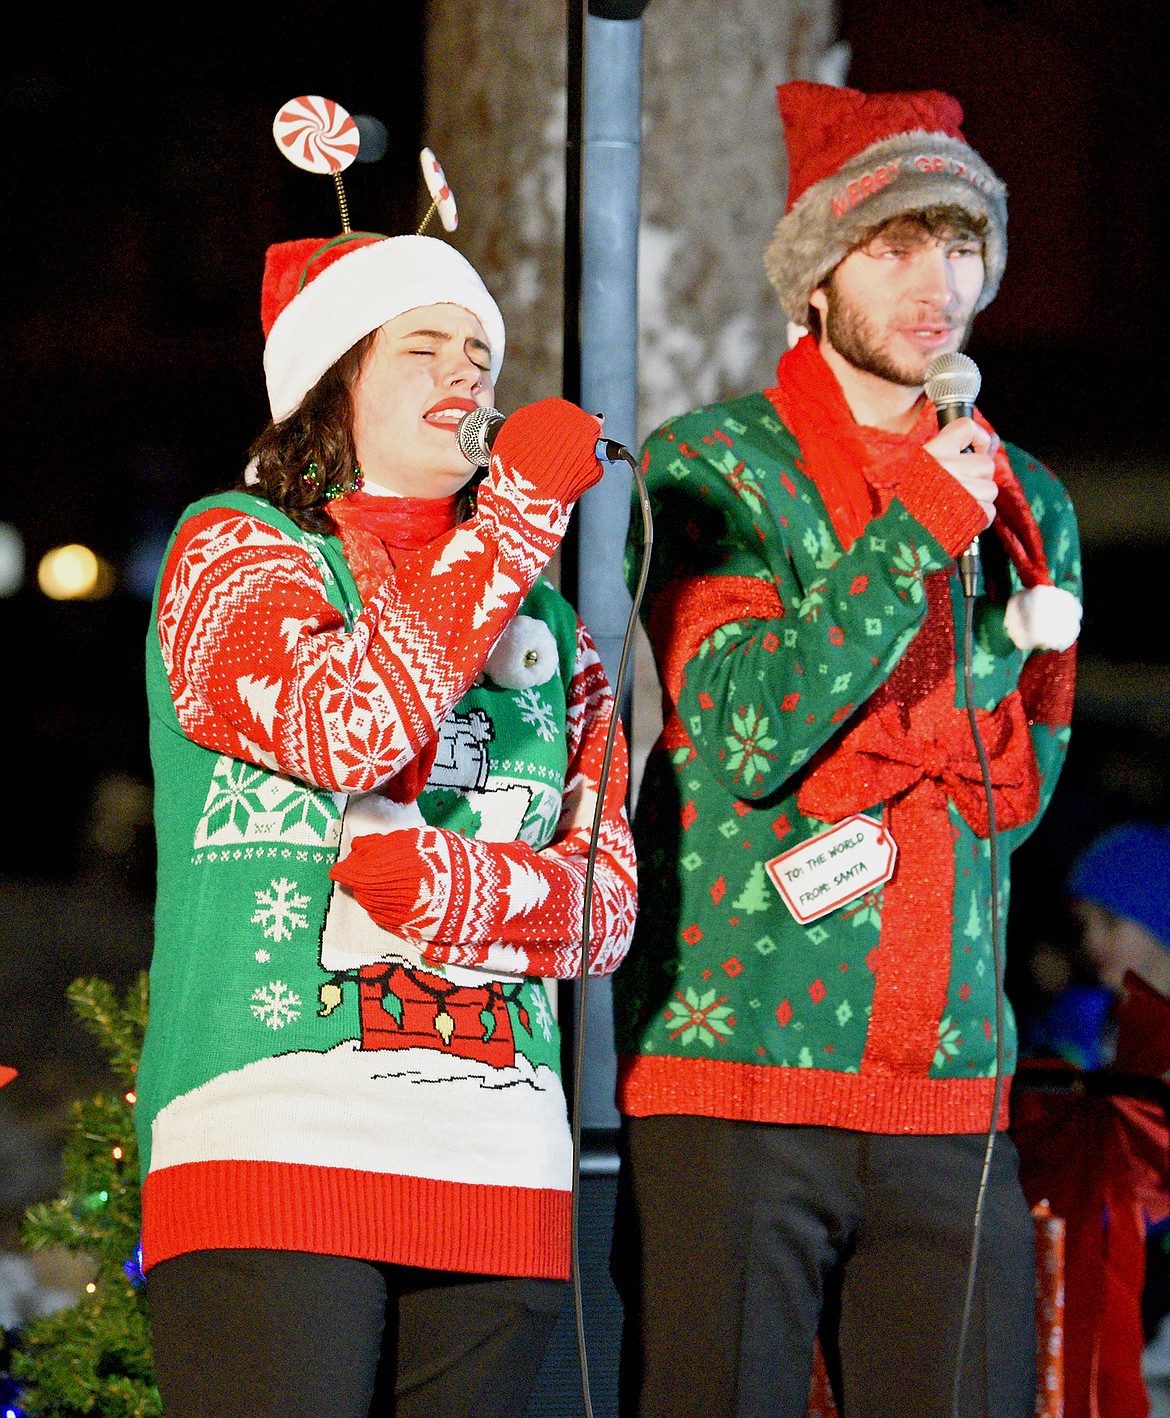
(1043, 618)
(525, 655)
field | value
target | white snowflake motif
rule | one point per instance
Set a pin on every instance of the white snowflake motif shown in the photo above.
(541, 1012)
(276, 1004)
(534, 711)
(263, 957)
(281, 910)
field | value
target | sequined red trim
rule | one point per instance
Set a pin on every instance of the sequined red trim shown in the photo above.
(1047, 685)
(764, 1093)
(912, 750)
(687, 611)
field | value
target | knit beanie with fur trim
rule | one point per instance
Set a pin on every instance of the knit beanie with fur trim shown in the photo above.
(321, 296)
(854, 161)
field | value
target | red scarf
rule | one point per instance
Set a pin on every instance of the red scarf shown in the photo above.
(857, 469)
(379, 533)
(910, 746)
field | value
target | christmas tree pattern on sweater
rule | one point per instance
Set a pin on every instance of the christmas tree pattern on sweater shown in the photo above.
(774, 644)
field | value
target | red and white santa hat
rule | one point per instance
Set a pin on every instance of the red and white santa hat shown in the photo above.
(321, 296)
(854, 161)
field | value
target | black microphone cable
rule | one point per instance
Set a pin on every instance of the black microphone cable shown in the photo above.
(477, 432)
(613, 452)
(952, 383)
(998, 966)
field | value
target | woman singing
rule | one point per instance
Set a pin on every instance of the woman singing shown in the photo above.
(377, 733)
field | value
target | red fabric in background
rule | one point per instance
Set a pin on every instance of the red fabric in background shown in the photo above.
(1103, 1164)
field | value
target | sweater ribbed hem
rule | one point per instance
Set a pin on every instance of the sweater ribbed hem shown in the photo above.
(439, 1225)
(937, 500)
(766, 1093)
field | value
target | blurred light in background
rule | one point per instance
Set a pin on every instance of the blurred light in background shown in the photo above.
(11, 560)
(74, 573)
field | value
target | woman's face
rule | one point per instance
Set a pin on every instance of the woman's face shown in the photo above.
(426, 369)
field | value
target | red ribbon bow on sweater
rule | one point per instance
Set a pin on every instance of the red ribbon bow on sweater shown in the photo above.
(911, 749)
(883, 759)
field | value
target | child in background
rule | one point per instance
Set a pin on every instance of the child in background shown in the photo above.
(1093, 1138)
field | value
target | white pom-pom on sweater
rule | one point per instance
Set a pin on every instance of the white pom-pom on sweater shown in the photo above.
(1043, 618)
(525, 655)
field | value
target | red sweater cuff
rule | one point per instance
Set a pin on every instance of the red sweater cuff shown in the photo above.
(934, 498)
(551, 444)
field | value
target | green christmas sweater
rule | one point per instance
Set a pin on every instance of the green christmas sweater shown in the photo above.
(312, 1080)
(806, 677)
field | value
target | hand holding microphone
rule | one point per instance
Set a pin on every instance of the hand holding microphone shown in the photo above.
(967, 452)
(964, 449)
(478, 430)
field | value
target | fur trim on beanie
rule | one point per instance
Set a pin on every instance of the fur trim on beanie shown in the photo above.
(321, 297)
(878, 156)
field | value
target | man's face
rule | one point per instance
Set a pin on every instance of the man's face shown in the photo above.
(904, 297)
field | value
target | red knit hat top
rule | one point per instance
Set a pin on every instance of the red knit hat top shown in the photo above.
(855, 161)
(291, 265)
(825, 127)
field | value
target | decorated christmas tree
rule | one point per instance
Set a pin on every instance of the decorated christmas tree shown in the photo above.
(94, 1358)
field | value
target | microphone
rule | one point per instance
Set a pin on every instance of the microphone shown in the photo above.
(477, 431)
(952, 385)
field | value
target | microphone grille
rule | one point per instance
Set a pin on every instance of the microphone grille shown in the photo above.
(472, 432)
(952, 379)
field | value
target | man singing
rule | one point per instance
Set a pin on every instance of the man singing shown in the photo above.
(808, 1049)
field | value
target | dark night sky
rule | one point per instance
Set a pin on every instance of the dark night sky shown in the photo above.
(141, 197)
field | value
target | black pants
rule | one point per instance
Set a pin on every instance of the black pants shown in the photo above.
(733, 1241)
(281, 1334)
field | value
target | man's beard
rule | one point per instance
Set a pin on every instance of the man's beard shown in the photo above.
(855, 339)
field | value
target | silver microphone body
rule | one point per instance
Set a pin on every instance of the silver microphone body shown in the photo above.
(476, 432)
(952, 385)
(478, 429)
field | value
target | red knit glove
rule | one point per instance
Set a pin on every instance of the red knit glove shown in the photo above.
(552, 446)
(492, 905)
(439, 886)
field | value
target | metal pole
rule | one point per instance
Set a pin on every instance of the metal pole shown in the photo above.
(611, 177)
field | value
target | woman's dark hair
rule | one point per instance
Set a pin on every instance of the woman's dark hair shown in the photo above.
(320, 432)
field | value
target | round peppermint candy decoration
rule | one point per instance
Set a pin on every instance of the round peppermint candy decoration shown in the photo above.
(440, 192)
(316, 134)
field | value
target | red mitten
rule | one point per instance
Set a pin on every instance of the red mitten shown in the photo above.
(439, 886)
(385, 872)
(551, 445)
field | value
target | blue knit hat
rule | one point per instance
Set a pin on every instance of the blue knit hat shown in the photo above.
(1127, 870)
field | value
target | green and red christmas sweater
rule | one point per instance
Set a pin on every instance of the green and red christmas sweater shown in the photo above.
(803, 614)
(410, 706)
